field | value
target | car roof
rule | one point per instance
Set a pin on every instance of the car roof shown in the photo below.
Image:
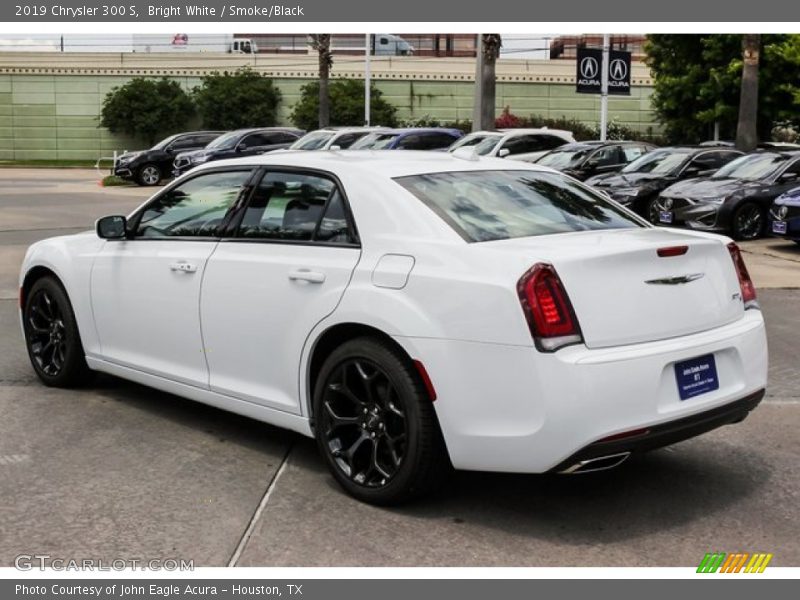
(529, 130)
(408, 130)
(254, 129)
(387, 163)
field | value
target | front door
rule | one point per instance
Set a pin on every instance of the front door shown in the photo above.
(146, 289)
(266, 288)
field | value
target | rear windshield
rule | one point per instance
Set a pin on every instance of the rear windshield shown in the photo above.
(499, 205)
(662, 162)
(751, 166)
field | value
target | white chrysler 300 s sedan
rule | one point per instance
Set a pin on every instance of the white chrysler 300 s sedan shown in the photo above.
(411, 311)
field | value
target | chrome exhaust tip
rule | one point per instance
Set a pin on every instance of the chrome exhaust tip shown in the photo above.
(600, 463)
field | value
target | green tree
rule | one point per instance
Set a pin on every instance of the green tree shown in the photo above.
(698, 83)
(347, 105)
(148, 109)
(235, 100)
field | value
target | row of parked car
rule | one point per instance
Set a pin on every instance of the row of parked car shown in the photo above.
(710, 187)
(178, 153)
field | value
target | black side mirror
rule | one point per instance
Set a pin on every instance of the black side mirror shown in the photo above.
(112, 228)
(241, 147)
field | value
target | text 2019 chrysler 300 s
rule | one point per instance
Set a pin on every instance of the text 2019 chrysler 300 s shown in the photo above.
(412, 311)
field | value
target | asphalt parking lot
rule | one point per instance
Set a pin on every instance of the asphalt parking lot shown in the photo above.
(122, 471)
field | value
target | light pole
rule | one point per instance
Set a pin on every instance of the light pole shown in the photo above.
(604, 89)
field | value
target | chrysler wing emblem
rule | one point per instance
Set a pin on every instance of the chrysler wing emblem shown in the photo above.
(677, 280)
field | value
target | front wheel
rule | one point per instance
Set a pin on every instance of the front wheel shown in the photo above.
(375, 424)
(52, 337)
(747, 222)
(149, 175)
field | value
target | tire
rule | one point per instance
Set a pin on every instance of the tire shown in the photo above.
(375, 424)
(747, 221)
(148, 175)
(651, 211)
(52, 337)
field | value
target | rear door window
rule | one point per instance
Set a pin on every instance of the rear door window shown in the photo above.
(300, 207)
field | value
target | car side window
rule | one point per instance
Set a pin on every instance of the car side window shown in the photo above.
(295, 207)
(279, 137)
(532, 143)
(411, 142)
(793, 168)
(194, 208)
(254, 140)
(631, 153)
(434, 141)
(607, 157)
(334, 228)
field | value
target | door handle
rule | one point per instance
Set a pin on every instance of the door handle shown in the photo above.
(184, 267)
(306, 275)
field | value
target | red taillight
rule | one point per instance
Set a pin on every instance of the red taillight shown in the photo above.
(672, 251)
(547, 308)
(745, 283)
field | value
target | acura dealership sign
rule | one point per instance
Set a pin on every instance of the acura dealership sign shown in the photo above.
(589, 65)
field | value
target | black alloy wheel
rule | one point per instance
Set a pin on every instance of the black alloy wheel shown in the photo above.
(747, 222)
(51, 336)
(375, 424)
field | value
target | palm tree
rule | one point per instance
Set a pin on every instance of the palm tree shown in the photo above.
(485, 79)
(747, 127)
(321, 42)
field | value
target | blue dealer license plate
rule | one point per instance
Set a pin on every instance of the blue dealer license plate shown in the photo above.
(665, 216)
(779, 227)
(696, 376)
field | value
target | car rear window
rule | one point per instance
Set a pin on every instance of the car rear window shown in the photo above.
(498, 205)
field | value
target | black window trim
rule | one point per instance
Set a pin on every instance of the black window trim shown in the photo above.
(230, 227)
(135, 218)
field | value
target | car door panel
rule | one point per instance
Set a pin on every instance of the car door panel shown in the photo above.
(145, 298)
(145, 290)
(265, 290)
(258, 305)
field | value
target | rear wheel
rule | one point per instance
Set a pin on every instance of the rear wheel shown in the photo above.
(375, 424)
(747, 222)
(148, 175)
(52, 337)
(653, 210)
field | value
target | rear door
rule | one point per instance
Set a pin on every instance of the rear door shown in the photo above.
(280, 273)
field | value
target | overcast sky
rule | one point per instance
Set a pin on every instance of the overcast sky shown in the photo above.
(514, 45)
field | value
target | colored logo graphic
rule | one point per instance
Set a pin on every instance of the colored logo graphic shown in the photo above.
(739, 562)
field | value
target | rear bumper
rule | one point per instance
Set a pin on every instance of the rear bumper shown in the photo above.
(514, 409)
(665, 434)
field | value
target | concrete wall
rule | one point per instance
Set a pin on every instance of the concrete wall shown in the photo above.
(49, 104)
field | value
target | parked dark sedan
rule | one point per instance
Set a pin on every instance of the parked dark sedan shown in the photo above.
(734, 200)
(784, 217)
(409, 138)
(241, 142)
(587, 159)
(148, 167)
(638, 185)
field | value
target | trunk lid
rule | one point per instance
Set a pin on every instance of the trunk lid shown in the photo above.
(623, 292)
